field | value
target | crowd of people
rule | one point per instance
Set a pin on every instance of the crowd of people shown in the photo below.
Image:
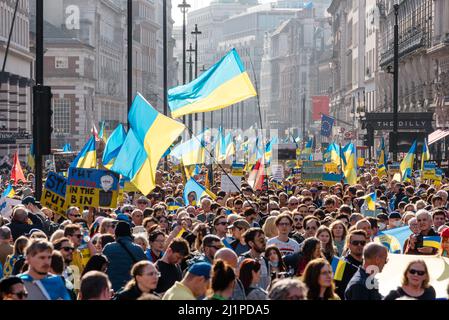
(275, 244)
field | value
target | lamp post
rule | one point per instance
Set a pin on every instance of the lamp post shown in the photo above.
(395, 81)
(165, 64)
(130, 54)
(190, 63)
(184, 6)
(196, 32)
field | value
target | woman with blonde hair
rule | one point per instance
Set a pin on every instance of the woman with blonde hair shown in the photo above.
(269, 227)
(415, 283)
(339, 232)
(107, 226)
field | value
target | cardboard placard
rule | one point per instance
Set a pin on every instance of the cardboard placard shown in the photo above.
(228, 186)
(277, 172)
(92, 188)
(394, 168)
(237, 169)
(54, 193)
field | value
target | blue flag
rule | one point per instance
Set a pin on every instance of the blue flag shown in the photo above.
(326, 125)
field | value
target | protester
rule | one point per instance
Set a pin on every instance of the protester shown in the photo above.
(286, 245)
(249, 275)
(5, 244)
(169, 266)
(222, 282)
(238, 228)
(38, 257)
(288, 289)
(415, 283)
(318, 279)
(375, 256)
(297, 262)
(122, 255)
(277, 265)
(95, 285)
(98, 262)
(144, 278)
(231, 259)
(12, 288)
(194, 284)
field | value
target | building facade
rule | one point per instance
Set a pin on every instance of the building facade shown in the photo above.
(16, 80)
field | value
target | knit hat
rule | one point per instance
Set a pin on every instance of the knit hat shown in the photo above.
(123, 229)
(201, 269)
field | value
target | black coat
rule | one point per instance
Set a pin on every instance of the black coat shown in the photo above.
(19, 229)
(360, 289)
(132, 293)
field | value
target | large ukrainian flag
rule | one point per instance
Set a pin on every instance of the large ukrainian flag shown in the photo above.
(350, 169)
(224, 84)
(113, 146)
(149, 137)
(87, 158)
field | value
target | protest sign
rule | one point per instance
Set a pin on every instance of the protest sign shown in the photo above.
(92, 188)
(360, 162)
(331, 167)
(429, 170)
(237, 169)
(277, 172)
(296, 170)
(228, 186)
(393, 168)
(312, 171)
(53, 195)
(7, 205)
(330, 179)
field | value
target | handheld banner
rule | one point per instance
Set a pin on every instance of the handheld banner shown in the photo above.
(429, 170)
(394, 168)
(54, 193)
(312, 171)
(237, 169)
(277, 172)
(92, 188)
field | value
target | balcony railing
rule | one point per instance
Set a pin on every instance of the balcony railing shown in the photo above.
(416, 40)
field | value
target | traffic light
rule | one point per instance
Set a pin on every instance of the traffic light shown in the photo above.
(42, 116)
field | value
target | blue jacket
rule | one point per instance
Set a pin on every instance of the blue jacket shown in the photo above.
(120, 261)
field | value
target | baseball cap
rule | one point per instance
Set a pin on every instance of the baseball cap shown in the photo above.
(143, 198)
(201, 269)
(28, 200)
(123, 217)
(394, 215)
(240, 224)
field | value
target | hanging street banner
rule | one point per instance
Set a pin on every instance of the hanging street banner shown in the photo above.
(92, 188)
(53, 195)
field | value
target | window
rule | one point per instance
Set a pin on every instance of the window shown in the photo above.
(61, 116)
(61, 62)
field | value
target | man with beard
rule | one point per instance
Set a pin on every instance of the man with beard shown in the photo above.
(40, 284)
(255, 239)
(66, 248)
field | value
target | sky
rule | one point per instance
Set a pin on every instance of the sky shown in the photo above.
(196, 4)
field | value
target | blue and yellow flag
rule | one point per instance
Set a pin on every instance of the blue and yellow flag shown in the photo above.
(192, 151)
(224, 84)
(350, 169)
(338, 268)
(193, 186)
(102, 134)
(432, 241)
(370, 200)
(87, 158)
(9, 192)
(173, 206)
(406, 165)
(382, 161)
(149, 137)
(394, 239)
(230, 147)
(113, 146)
(67, 148)
(220, 146)
(425, 154)
(31, 161)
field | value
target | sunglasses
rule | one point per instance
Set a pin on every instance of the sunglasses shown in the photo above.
(358, 243)
(298, 219)
(418, 272)
(222, 223)
(68, 248)
(75, 215)
(21, 294)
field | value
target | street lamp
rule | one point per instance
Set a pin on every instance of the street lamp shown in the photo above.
(395, 81)
(196, 32)
(190, 63)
